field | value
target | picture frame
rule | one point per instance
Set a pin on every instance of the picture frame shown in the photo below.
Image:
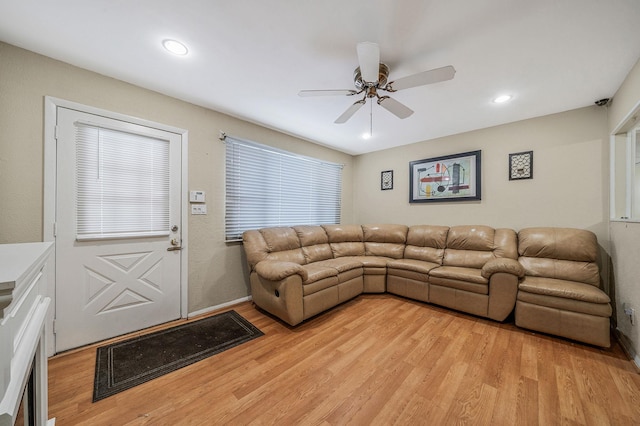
(386, 180)
(454, 177)
(521, 165)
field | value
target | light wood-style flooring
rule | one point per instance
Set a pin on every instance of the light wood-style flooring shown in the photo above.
(376, 360)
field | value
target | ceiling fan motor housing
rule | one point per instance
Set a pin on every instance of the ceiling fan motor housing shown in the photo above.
(383, 75)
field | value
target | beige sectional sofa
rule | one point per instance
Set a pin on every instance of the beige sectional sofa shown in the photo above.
(298, 272)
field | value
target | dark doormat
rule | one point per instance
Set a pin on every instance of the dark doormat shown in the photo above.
(126, 364)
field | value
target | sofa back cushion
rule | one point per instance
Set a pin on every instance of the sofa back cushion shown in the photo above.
(314, 243)
(385, 240)
(426, 242)
(469, 246)
(561, 253)
(345, 240)
(280, 243)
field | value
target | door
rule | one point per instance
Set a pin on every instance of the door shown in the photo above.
(117, 228)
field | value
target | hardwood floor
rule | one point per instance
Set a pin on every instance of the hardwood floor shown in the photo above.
(378, 359)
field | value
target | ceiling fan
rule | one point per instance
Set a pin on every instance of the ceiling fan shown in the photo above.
(371, 76)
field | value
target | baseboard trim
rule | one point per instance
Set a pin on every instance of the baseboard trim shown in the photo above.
(217, 307)
(627, 347)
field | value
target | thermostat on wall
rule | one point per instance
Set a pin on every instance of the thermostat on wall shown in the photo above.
(196, 196)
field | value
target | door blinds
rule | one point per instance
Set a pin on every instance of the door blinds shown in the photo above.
(268, 187)
(122, 184)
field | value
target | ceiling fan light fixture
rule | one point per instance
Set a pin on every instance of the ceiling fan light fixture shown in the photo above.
(175, 47)
(502, 99)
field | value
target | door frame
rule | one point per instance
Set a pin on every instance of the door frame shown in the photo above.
(51, 105)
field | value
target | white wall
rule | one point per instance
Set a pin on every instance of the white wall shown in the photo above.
(625, 236)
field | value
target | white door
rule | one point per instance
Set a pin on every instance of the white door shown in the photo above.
(117, 228)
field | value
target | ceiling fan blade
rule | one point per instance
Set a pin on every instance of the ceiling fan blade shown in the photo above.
(394, 107)
(338, 92)
(350, 111)
(369, 60)
(422, 78)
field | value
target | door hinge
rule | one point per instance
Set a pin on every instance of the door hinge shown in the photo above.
(55, 132)
(55, 326)
(55, 229)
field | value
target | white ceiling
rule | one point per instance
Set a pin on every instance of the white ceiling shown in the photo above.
(249, 58)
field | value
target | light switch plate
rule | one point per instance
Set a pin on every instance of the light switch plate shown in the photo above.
(196, 196)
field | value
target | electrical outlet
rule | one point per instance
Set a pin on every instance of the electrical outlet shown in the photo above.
(198, 209)
(631, 313)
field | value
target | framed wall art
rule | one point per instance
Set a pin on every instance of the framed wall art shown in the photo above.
(386, 180)
(521, 165)
(450, 178)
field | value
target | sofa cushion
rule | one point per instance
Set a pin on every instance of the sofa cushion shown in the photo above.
(316, 272)
(411, 265)
(345, 240)
(426, 242)
(585, 272)
(314, 242)
(341, 264)
(505, 243)
(466, 279)
(384, 240)
(280, 239)
(458, 273)
(469, 246)
(343, 233)
(558, 243)
(385, 233)
(471, 237)
(466, 258)
(563, 288)
(564, 304)
(394, 251)
(428, 236)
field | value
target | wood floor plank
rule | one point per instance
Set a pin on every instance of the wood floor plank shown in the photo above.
(378, 359)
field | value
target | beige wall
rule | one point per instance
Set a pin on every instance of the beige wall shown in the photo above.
(569, 186)
(216, 270)
(625, 236)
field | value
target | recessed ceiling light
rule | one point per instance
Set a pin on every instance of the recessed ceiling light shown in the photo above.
(175, 47)
(366, 135)
(502, 99)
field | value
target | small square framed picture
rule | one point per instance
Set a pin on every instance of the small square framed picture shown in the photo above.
(386, 180)
(521, 165)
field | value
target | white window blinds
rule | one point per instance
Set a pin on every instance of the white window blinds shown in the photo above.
(122, 184)
(269, 187)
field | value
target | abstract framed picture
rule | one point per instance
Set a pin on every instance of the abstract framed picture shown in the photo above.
(449, 178)
(521, 165)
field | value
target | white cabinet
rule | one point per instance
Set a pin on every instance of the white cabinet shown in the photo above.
(23, 310)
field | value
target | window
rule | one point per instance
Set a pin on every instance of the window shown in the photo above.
(122, 184)
(268, 187)
(625, 155)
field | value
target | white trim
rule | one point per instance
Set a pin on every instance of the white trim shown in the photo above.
(627, 346)
(215, 308)
(627, 120)
(612, 176)
(51, 105)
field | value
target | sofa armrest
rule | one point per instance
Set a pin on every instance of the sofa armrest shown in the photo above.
(502, 264)
(276, 270)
